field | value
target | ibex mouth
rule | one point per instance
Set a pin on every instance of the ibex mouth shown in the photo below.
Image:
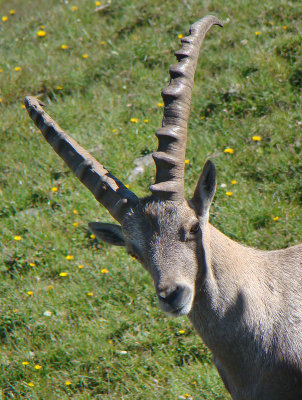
(176, 301)
(184, 310)
(181, 311)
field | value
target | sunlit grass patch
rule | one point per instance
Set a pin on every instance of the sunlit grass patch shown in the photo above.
(84, 312)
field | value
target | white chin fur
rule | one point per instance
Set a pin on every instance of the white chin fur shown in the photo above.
(178, 312)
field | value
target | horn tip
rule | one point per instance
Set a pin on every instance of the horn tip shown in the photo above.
(31, 101)
(214, 20)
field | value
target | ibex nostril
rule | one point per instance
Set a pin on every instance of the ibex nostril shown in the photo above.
(168, 295)
(174, 296)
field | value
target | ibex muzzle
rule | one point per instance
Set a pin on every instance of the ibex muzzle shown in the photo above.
(246, 304)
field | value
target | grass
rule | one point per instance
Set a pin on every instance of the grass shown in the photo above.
(98, 334)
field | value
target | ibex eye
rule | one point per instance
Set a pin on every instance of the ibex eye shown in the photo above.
(194, 228)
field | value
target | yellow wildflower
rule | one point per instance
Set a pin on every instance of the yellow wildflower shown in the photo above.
(25, 362)
(63, 273)
(31, 384)
(1, 70)
(12, 12)
(17, 238)
(32, 264)
(17, 69)
(67, 383)
(59, 87)
(187, 396)
(180, 35)
(15, 310)
(23, 106)
(30, 293)
(110, 341)
(229, 193)
(69, 257)
(160, 104)
(233, 182)
(187, 162)
(98, 3)
(275, 218)
(37, 367)
(127, 186)
(284, 27)
(4, 18)
(113, 130)
(258, 33)
(64, 47)
(135, 120)
(92, 236)
(54, 189)
(75, 212)
(104, 271)
(85, 56)
(42, 27)
(229, 150)
(90, 294)
(102, 42)
(80, 266)
(74, 8)
(76, 224)
(50, 287)
(257, 138)
(41, 33)
(181, 331)
(202, 117)
(146, 121)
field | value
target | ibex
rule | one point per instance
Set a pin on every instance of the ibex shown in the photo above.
(246, 304)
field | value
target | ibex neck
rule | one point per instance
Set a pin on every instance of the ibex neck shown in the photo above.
(230, 267)
(229, 260)
(220, 300)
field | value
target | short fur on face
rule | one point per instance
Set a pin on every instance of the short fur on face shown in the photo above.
(166, 234)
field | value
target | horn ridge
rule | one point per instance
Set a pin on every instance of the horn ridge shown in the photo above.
(105, 187)
(169, 181)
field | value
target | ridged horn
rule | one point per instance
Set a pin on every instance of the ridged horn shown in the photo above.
(172, 137)
(107, 189)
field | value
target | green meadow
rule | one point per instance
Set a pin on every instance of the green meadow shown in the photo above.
(79, 319)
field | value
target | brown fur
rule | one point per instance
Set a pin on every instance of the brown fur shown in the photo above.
(246, 304)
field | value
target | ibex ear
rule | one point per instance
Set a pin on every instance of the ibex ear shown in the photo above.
(109, 233)
(205, 189)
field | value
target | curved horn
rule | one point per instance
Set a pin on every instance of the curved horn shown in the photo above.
(107, 189)
(172, 137)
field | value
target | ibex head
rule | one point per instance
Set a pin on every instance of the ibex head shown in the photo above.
(164, 231)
